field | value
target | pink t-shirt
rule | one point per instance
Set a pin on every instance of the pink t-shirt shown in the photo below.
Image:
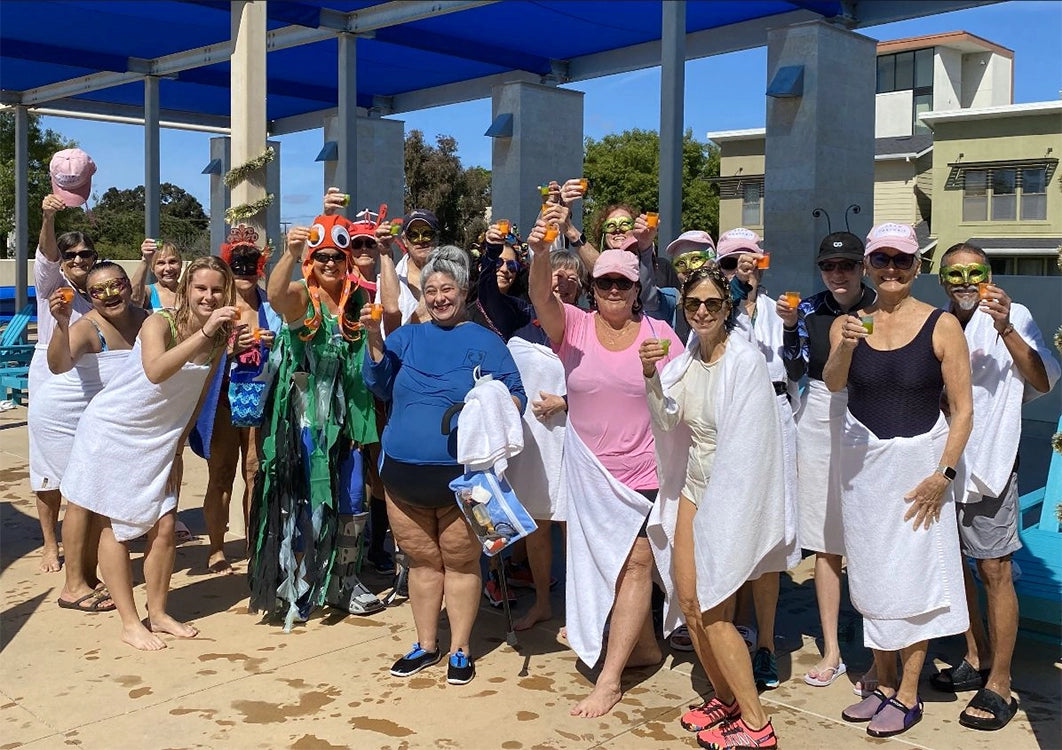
(607, 404)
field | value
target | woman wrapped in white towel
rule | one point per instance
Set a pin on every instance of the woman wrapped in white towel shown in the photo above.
(126, 461)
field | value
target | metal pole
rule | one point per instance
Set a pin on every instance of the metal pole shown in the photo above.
(347, 167)
(152, 171)
(21, 206)
(672, 91)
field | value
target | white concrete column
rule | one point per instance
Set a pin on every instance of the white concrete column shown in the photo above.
(248, 100)
(21, 207)
(820, 145)
(672, 101)
(546, 144)
(347, 123)
(152, 169)
(219, 194)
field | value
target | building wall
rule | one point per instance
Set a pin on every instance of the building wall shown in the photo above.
(1016, 137)
(737, 158)
(986, 80)
(892, 114)
(947, 79)
(894, 198)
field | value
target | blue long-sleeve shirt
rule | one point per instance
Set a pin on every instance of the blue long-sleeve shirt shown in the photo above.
(424, 371)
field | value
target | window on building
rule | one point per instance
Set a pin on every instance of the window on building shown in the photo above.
(923, 68)
(1034, 194)
(1024, 265)
(904, 71)
(922, 103)
(752, 205)
(1004, 194)
(886, 73)
(975, 195)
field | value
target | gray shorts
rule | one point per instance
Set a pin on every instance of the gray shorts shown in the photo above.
(989, 529)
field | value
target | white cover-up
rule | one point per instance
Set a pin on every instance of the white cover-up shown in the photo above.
(489, 428)
(999, 390)
(906, 583)
(535, 474)
(125, 444)
(739, 527)
(57, 407)
(819, 423)
(604, 517)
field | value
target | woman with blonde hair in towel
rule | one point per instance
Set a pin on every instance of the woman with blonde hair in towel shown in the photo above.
(82, 357)
(164, 260)
(126, 461)
(609, 469)
(714, 411)
(897, 358)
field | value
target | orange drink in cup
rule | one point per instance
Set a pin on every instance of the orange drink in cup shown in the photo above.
(584, 185)
(792, 299)
(652, 219)
(503, 227)
(377, 311)
(315, 235)
(763, 262)
(982, 290)
(551, 233)
(67, 293)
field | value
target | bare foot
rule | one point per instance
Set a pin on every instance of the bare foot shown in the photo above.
(166, 624)
(217, 563)
(600, 701)
(141, 638)
(534, 615)
(50, 560)
(645, 657)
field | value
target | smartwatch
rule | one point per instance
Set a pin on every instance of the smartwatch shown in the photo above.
(579, 242)
(947, 471)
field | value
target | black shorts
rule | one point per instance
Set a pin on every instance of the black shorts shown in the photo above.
(649, 495)
(422, 485)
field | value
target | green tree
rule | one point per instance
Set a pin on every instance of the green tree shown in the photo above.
(624, 168)
(42, 144)
(436, 180)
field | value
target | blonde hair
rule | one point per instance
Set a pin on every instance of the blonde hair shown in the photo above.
(182, 317)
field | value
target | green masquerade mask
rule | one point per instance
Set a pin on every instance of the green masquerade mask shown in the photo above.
(965, 274)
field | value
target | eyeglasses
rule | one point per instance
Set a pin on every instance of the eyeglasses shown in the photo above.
(964, 275)
(618, 225)
(420, 236)
(729, 263)
(691, 261)
(605, 283)
(82, 254)
(844, 266)
(325, 258)
(512, 265)
(363, 243)
(105, 289)
(901, 261)
(712, 305)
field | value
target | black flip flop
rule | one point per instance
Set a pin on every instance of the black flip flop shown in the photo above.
(97, 598)
(991, 701)
(960, 678)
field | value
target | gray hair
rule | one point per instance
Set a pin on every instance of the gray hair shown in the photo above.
(449, 260)
(568, 260)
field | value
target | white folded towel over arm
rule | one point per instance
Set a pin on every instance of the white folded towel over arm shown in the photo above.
(489, 428)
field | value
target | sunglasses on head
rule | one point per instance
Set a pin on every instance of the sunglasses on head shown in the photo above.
(965, 274)
(618, 225)
(362, 243)
(419, 236)
(844, 266)
(901, 261)
(729, 263)
(605, 283)
(512, 265)
(105, 289)
(325, 258)
(690, 261)
(712, 305)
(83, 254)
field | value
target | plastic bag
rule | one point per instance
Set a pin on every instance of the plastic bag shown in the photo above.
(492, 510)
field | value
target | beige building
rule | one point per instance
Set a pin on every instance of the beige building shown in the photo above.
(939, 96)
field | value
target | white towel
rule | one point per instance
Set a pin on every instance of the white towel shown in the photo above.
(741, 521)
(125, 444)
(767, 333)
(896, 572)
(820, 421)
(999, 390)
(489, 428)
(535, 474)
(604, 517)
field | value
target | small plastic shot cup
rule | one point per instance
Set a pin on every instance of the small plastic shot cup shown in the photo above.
(652, 219)
(982, 290)
(345, 198)
(665, 344)
(504, 225)
(67, 293)
(377, 311)
(543, 190)
(315, 235)
(256, 334)
(868, 324)
(551, 233)
(764, 262)
(396, 227)
(584, 185)
(792, 299)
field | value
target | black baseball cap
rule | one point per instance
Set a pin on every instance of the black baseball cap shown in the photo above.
(840, 246)
(423, 214)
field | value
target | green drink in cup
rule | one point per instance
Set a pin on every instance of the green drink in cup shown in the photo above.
(665, 344)
(868, 324)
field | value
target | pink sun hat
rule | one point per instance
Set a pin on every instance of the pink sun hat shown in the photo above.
(71, 170)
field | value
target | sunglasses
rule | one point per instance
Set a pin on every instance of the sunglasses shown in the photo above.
(844, 266)
(512, 265)
(712, 305)
(729, 263)
(83, 254)
(691, 261)
(106, 289)
(964, 275)
(618, 225)
(420, 236)
(605, 283)
(325, 258)
(363, 243)
(901, 262)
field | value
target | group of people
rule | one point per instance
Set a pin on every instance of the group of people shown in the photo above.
(643, 385)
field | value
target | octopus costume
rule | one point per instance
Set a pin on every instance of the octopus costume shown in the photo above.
(307, 506)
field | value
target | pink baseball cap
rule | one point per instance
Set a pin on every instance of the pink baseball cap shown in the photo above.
(72, 171)
(737, 241)
(900, 237)
(691, 241)
(617, 261)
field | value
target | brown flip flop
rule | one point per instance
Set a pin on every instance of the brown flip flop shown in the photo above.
(96, 599)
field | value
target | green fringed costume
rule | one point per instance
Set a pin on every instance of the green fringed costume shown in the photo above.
(319, 412)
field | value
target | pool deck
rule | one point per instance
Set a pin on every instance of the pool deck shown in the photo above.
(67, 681)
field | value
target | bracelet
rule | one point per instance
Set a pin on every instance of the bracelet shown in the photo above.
(1005, 331)
(208, 336)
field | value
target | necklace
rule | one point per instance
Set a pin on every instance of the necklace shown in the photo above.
(613, 336)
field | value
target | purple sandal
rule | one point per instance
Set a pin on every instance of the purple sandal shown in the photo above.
(865, 709)
(894, 718)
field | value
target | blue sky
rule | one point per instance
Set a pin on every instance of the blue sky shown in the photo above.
(722, 93)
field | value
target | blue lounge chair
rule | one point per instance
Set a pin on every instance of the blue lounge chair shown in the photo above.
(14, 351)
